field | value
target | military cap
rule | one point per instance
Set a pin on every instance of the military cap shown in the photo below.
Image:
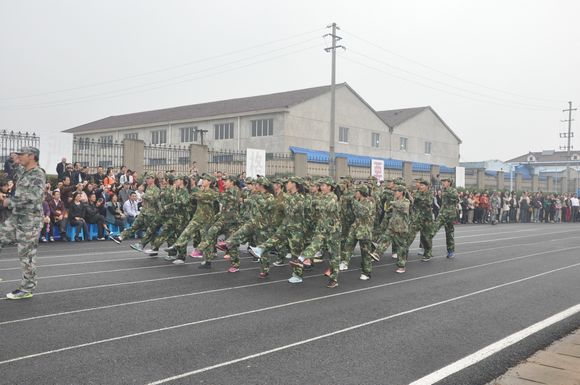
(209, 177)
(263, 181)
(400, 188)
(170, 177)
(363, 189)
(326, 180)
(3, 181)
(233, 178)
(296, 179)
(449, 179)
(279, 181)
(29, 150)
(249, 180)
(389, 180)
(422, 181)
(183, 176)
(148, 175)
(346, 178)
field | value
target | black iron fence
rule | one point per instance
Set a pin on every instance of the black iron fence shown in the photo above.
(93, 153)
(234, 162)
(166, 158)
(11, 141)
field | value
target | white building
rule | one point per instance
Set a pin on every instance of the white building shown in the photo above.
(299, 118)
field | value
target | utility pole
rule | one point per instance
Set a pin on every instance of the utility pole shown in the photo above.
(331, 152)
(569, 135)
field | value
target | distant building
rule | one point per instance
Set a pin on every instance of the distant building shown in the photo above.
(549, 162)
(299, 118)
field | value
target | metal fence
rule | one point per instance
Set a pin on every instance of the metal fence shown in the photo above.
(234, 162)
(11, 141)
(166, 158)
(93, 153)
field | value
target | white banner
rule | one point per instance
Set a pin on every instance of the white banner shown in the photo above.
(459, 176)
(378, 169)
(255, 162)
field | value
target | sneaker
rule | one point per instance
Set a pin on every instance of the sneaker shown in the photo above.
(51, 239)
(169, 258)
(296, 263)
(332, 284)
(395, 256)
(116, 238)
(196, 254)
(179, 261)
(307, 262)
(256, 252)
(169, 248)
(19, 294)
(375, 256)
(222, 246)
(343, 266)
(295, 279)
(279, 263)
(151, 252)
(317, 260)
(204, 265)
(364, 277)
(400, 270)
(450, 254)
(420, 252)
(263, 275)
(227, 257)
(328, 272)
(255, 259)
(288, 256)
(233, 269)
(101, 239)
(136, 247)
(425, 259)
(43, 240)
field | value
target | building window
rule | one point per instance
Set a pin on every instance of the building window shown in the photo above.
(223, 131)
(159, 137)
(428, 148)
(188, 134)
(343, 134)
(106, 139)
(263, 127)
(157, 161)
(375, 140)
(84, 143)
(403, 143)
(133, 135)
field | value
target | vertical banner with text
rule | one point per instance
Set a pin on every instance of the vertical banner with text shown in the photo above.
(378, 169)
(255, 162)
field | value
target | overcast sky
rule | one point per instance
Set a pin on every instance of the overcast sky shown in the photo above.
(499, 73)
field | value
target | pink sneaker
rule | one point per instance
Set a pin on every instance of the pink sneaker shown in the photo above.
(196, 254)
(233, 269)
(227, 257)
(307, 262)
(222, 246)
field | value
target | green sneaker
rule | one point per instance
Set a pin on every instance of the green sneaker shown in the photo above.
(170, 258)
(19, 294)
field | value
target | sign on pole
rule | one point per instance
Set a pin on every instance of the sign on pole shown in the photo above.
(378, 169)
(459, 176)
(255, 162)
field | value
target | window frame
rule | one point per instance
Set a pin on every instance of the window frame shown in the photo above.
(403, 143)
(342, 133)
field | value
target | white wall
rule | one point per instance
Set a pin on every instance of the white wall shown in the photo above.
(53, 148)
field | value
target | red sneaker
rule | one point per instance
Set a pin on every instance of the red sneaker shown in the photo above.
(328, 272)
(233, 269)
(196, 254)
(263, 275)
(227, 257)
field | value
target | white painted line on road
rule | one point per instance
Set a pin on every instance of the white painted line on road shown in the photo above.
(81, 263)
(313, 299)
(354, 327)
(489, 350)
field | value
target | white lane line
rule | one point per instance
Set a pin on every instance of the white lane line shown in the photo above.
(77, 254)
(226, 272)
(284, 305)
(354, 327)
(489, 350)
(82, 263)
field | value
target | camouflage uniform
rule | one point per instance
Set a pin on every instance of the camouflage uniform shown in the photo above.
(447, 215)
(24, 224)
(158, 221)
(289, 234)
(361, 231)
(149, 209)
(422, 221)
(176, 216)
(326, 235)
(398, 229)
(383, 238)
(347, 217)
(203, 216)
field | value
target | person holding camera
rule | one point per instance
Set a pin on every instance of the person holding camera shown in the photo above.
(58, 216)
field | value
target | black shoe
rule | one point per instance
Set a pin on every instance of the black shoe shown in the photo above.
(77, 239)
(204, 265)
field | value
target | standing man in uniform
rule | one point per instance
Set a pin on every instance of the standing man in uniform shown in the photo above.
(24, 224)
(447, 215)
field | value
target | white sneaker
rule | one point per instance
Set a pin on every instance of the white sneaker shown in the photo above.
(288, 256)
(420, 252)
(178, 262)
(395, 256)
(318, 254)
(150, 252)
(343, 266)
(364, 277)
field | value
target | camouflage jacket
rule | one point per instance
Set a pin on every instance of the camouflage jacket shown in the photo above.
(328, 214)
(261, 210)
(449, 200)
(386, 198)
(165, 199)
(422, 206)
(278, 209)
(27, 200)
(205, 203)
(346, 209)
(177, 202)
(399, 222)
(364, 213)
(150, 200)
(230, 205)
(294, 212)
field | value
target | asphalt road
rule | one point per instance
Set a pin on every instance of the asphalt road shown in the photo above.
(104, 314)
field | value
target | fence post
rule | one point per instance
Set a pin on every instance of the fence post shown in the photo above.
(500, 181)
(200, 154)
(518, 182)
(300, 165)
(535, 183)
(550, 183)
(133, 154)
(563, 184)
(408, 173)
(481, 178)
(341, 167)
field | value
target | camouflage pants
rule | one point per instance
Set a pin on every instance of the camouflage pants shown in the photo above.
(447, 222)
(365, 249)
(329, 242)
(170, 232)
(424, 228)
(24, 233)
(284, 239)
(401, 247)
(247, 233)
(209, 238)
(153, 224)
(193, 230)
(140, 224)
(383, 242)
(344, 233)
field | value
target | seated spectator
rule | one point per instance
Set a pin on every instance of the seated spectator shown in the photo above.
(76, 216)
(57, 216)
(130, 208)
(45, 230)
(115, 214)
(4, 191)
(94, 217)
(99, 177)
(110, 179)
(124, 192)
(60, 168)
(127, 177)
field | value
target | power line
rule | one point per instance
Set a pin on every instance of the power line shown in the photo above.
(448, 74)
(165, 69)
